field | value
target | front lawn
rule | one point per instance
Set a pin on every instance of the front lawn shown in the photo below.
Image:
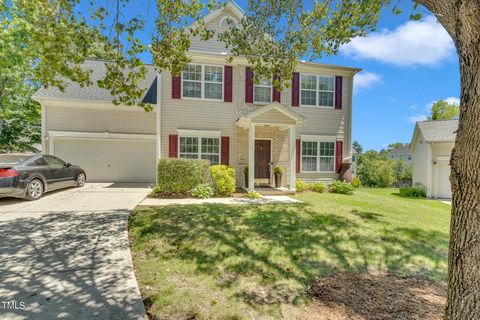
(258, 261)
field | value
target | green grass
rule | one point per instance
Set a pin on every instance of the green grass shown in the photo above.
(240, 262)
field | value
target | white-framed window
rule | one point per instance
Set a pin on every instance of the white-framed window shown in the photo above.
(318, 156)
(262, 92)
(202, 82)
(207, 148)
(317, 90)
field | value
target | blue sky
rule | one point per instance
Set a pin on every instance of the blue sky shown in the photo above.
(406, 66)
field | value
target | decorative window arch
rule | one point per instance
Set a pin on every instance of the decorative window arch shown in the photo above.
(224, 22)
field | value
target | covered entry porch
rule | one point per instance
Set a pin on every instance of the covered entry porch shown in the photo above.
(267, 139)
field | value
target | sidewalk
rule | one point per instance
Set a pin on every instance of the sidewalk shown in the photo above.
(263, 200)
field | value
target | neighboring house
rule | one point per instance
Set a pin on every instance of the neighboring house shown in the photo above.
(400, 153)
(353, 167)
(212, 111)
(431, 145)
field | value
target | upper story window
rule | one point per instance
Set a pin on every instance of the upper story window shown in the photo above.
(227, 22)
(262, 92)
(318, 156)
(317, 90)
(200, 148)
(202, 82)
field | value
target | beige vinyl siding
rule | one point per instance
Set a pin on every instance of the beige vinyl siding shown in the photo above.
(218, 115)
(195, 114)
(212, 45)
(113, 119)
(422, 167)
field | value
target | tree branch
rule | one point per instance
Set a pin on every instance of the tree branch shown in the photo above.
(445, 11)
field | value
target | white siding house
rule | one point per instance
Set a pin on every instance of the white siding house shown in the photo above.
(432, 145)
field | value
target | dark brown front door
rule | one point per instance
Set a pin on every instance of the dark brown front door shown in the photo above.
(262, 159)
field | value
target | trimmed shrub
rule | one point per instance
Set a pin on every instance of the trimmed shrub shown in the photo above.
(223, 178)
(318, 187)
(253, 195)
(202, 191)
(341, 187)
(300, 186)
(356, 182)
(179, 176)
(418, 190)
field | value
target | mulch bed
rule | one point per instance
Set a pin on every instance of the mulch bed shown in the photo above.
(350, 296)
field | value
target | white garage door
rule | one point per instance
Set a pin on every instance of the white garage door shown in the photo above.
(443, 180)
(110, 160)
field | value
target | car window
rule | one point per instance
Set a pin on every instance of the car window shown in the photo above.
(13, 159)
(54, 161)
(38, 162)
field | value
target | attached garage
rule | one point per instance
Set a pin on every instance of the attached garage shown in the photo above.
(109, 160)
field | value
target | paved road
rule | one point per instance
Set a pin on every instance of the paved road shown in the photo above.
(67, 255)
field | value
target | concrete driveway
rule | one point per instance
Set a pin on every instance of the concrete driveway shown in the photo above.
(67, 255)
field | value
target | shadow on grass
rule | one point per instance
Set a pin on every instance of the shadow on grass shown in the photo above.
(283, 249)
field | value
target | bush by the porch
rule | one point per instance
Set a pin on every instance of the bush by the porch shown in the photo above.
(179, 176)
(223, 178)
(203, 191)
(341, 187)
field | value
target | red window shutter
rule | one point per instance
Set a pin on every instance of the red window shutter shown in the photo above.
(295, 89)
(275, 93)
(338, 92)
(248, 85)
(299, 150)
(225, 156)
(173, 146)
(339, 156)
(227, 87)
(176, 87)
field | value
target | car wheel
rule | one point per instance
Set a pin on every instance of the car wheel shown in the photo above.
(81, 179)
(34, 190)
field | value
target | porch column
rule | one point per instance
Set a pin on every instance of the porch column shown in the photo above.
(251, 157)
(293, 157)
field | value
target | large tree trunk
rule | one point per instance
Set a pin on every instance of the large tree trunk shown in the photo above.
(461, 19)
(463, 300)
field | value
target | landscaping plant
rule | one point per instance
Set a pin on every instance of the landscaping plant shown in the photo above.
(253, 194)
(341, 187)
(179, 176)
(202, 191)
(318, 187)
(223, 178)
(300, 186)
(356, 182)
(418, 190)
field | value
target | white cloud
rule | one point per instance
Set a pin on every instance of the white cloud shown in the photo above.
(451, 100)
(365, 80)
(414, 43)
(420, 117)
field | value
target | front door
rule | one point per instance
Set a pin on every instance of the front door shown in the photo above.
(262, 159)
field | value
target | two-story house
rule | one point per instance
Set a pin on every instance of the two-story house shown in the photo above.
(213, 111)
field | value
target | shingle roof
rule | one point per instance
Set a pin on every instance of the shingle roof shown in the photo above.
(400, 150)
(438, 130)
(93, 92)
